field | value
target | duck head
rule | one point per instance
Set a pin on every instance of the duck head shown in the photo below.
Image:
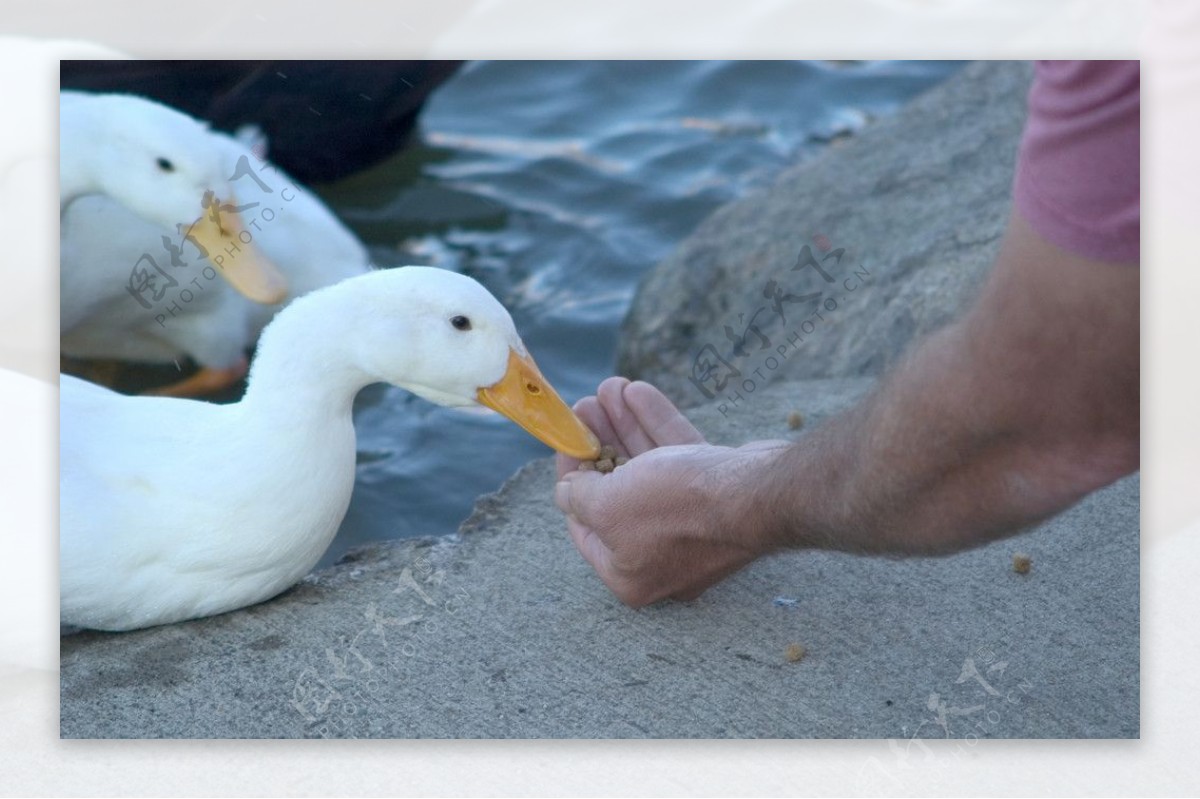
(169, 169)
(444, 337)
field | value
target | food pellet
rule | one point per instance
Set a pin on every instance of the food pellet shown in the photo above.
(795, 653)
(605, 462)
(1022, 563)
(795, 420)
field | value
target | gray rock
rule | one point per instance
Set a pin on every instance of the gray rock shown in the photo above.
(918, 200)
(504, 631)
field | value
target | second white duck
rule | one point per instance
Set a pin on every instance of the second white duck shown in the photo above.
(202, 317)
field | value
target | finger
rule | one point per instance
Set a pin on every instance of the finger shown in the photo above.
(564, 464)
(575, 495)
(593, 416)
(562, 496)
(608, 399)
(590, 546)
(587, 497)
(593, 550)
(658, 417)
(634, 440)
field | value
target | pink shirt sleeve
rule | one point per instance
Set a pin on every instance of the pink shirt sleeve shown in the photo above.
(1078, 180)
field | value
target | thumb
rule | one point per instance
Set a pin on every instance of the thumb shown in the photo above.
(577, 494)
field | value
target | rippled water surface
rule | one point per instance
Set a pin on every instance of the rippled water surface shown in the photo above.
(557, 185)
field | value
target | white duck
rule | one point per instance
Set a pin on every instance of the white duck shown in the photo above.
(215, 325)
(177, 509)
(166, 168)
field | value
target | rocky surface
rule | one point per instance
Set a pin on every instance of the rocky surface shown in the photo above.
(504, 631)
(917, 201)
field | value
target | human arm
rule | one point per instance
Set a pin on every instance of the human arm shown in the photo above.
(1010, 414)
(1014, 412)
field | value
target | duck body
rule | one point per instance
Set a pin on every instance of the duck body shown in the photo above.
(175, 509)
(163, 535)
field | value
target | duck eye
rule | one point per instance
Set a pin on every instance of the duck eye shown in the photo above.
(165, 165)
(461, 323)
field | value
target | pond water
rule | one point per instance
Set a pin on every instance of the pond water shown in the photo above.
(558, 185)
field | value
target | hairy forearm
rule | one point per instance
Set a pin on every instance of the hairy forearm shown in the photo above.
(922, 465)
(1007, 416)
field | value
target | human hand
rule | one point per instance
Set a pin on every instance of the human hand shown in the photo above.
(666, 524)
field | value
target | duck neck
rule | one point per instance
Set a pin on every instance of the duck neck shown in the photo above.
(74, 181)
(75, 173)
(304, 370)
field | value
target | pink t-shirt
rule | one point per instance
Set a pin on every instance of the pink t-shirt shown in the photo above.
(1078, 181)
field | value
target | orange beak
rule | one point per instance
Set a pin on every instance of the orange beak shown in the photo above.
(524, 396)
(246, 269)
